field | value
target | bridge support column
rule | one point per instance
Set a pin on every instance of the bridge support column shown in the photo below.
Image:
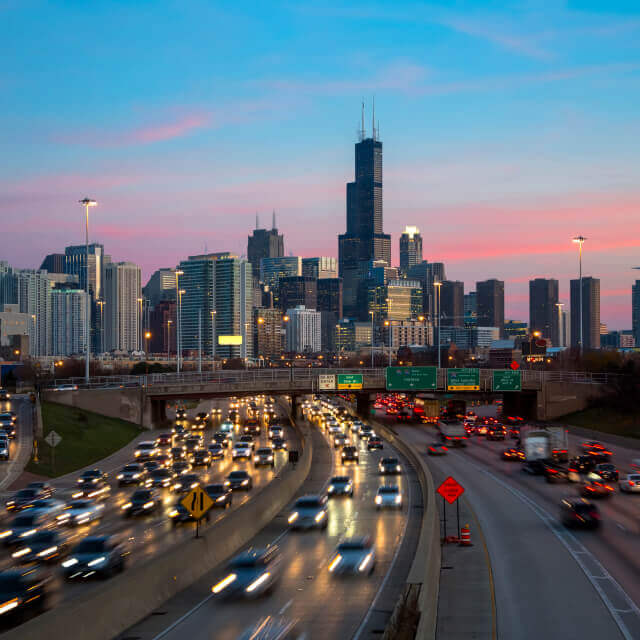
(363, 404)
(295, 406)
(153, 412)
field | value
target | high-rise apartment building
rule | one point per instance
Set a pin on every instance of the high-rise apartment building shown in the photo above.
(452, 303)
(590, 313)
(76, 263)
(264, 243)
(33, 296)
(69, 309)
(272, 269)
(330, 306)
(122, 289)
(320, 267)
(364, 239)
(406, 333)
(269, 333)
(161, 286)
(216, 305)
(295, 291)
(635, 311)
(303, 330)
(543, 309)
(54, 263)
(490, 304)
(428, 273)
(410, 248)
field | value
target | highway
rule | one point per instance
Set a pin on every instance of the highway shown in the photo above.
(549, 581)
(20, 446)
(150, 535)
(324, 605)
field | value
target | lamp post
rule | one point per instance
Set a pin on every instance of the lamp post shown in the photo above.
(101, 303)
(213, 334)
(147, 337)
(387, 324)
(371, 313)
(181, 292)
(140, 327)
(560, 325)
(438, 285)
(178, 273)
(86, 203)
(169, 323)
(579, 240)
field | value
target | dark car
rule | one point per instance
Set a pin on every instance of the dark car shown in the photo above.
(142, 501)
(179, 433)
(403, 416)
(22, 499)
(179, 513)
(164, 440)
(496, 433)
(181, 414)
(93, 485)
(350, 454)
(161, 478)
(596, 489)
(607, 471)
(201, 458)
(222, 496)
(239, 480)
(251, 573)
(278, 444)
(513, 454)
(185, 482)
(133, 473)
(180, 467)
(216, 451)
(374, 443)
(579, 512)
(201, 420)
(23, 592)
(252, 427)
(389, 466)
(555, 473)
(100, 556)
(43, 546)
(222, 439)
(583, 464)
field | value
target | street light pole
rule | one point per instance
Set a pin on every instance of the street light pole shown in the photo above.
(140, 328)
(179, 354)
(86, 203)
(213, 334)
(199, 340)
(438, 285)
(169, 323)
(101, 303)
(579, 240)
(178, 273)
(560, 325)
(371, 313)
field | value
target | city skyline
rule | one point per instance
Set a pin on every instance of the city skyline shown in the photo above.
(536, 135)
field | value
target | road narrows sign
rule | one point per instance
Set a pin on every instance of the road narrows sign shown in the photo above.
(450, 490)
(197, 502)
(53, 439)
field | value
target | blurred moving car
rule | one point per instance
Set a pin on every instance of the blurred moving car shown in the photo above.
(374, 442)
(142, 501)
(630, 483)
(146, 450)
(161, 478)
(216, 451)
(23, 526)
(607, 471)
(201, 458)
(596, 489)
(350, 454)
(185, 482)
(79, 512)
(279, 444)
(251, 573)
(21, 499)
(239, 480)
(43, 546)
(437, 449)
(340, 486)
(264, 457)
(222, 496)
(389, 466)
(133, 473)
(579, 512)
(388, 496)
(101, 556)
(513, 453)
(23, 592)
(309, 512)
(354, 556)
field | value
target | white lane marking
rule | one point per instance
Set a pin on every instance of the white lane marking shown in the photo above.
(570, 541)
(285, 607)
(182, 618)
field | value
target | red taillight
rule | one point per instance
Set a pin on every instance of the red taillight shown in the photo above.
(595, 516)
(445, 449)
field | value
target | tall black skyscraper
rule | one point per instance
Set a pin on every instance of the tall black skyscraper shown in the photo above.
(410, 248)
(264, 243)
(364, 240)
(452, 303)
(590, 313)
(543, 309)
(490, 301)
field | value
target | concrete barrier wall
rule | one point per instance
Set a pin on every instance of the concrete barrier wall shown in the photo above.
(425, 569)
(118, 603)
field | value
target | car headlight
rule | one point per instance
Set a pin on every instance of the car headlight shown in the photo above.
(378, 499)
(97, 561)
(245, 483)
(26, 534)
(398, 499)
(320, 516)
(293, 517)
(224, 583)
(227, 483)
(331, 488)
(70, 562)
(21, 552)
(335, 562)
(173, 513)
(47, 552)
(256, 583)
(398, 468)
(148, 505)
(126, 505)
(365, 563)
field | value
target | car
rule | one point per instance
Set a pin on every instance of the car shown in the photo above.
(24, 525)
(252, 427)
(216, 412)
(80, 511)
(349, 454)
(101, 556)
(513, 454)
(133, 473)
(403, 416)
(47, 506)
(227, 426)
(149, 466)
(556, 473)
(339, 440)
(179, 433)
(535, 467)
(178, 453)
(496, 433)
(200, 421)
(334, 428)
(374, 442)
(181, 414)
(90, 478)
(388, 496)
(145, 450)
(222, 496)
(160, 478)
(24, 592)
(606, 471)
(201, 458)
(47, 545)
(264, 457)
(233, 417)
(192, 443)
(389, 466)
(592, 445)
(251, 573)
(579, 512)
(45, 488)
(186, 482)
(355, 556)
(249, 440)
(216, 451)
(165, 440)
(366, 432)
(7, 424)
(596, 489)
(5, 450)
(142, 501)
(99, 490)
(241, 450)
(5, 396)
(276, 431)
(437, 449)
(278, 444)
(179, 514)
(21, 499)
(222, 438)
(180, 467)
(309, 512)
(583, 464)
(340, 486)
(630, 483)
(239, 480)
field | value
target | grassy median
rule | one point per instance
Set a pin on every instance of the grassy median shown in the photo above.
(86, 438)
(606, 420)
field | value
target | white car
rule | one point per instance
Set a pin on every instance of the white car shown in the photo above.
(226, 426)
(334, 427)
(146, 450)
(241, 450)
(79, 512)
(389, 496)
(631, 483)
(354, 556)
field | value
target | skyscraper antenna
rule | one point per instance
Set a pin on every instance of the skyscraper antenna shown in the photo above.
(273, 222)
(373, 117)
(363, 132)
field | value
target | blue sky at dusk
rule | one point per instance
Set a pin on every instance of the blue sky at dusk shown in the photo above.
(508, 127)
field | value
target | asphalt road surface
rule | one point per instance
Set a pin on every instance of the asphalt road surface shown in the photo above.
(20, 446)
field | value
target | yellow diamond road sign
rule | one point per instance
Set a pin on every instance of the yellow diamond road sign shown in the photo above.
(197, 502)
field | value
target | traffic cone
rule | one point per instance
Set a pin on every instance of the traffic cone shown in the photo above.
(465, 536)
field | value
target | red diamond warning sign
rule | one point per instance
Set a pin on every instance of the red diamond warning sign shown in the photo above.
(514, 365)
(450, 490)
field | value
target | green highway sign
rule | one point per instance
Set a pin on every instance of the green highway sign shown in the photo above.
(507, 380)
(411, 378)
(463, 380)
(349, 381)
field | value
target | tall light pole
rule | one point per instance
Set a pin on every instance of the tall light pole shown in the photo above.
(371, 314)
(101, 303)
(579, 240)
(181, 292)
(438, 285)
(387, 324)
(140, 328)
(213, 334)
(178, 273)
(86, 203)
(169, 323)
(199, 340)
(560, 325)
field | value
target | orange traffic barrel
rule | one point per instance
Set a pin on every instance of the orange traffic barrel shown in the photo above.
(465, 536)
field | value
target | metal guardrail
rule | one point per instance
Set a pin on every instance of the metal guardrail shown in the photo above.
(308, 379)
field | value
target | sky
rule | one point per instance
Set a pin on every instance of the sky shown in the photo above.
(507, 128)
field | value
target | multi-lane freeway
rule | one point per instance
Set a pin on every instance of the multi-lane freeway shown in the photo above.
(20, 446)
